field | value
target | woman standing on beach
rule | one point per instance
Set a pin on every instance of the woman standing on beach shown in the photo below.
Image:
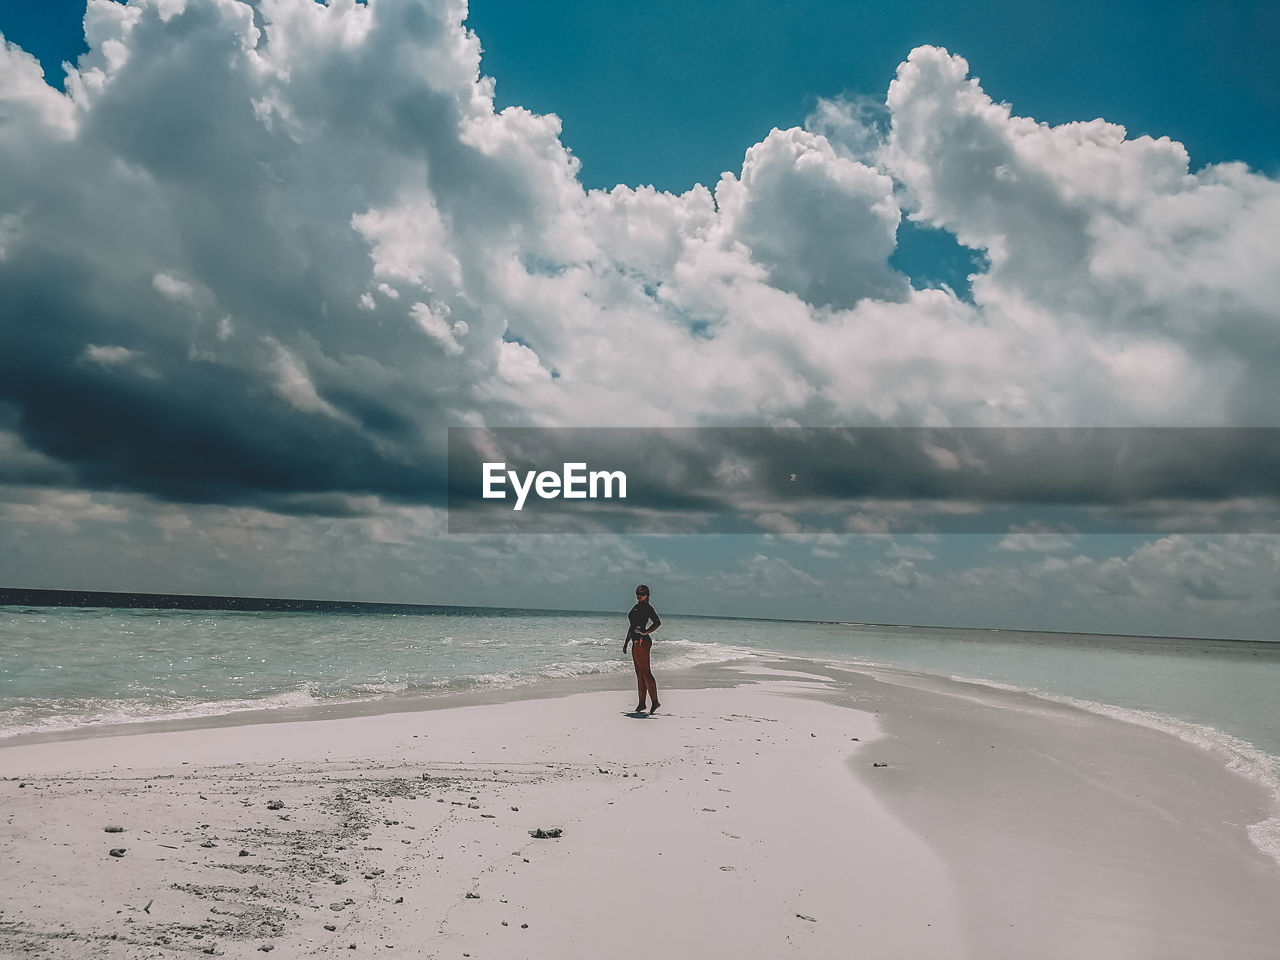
(638, 631)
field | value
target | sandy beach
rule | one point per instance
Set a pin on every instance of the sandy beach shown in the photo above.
(777, 808)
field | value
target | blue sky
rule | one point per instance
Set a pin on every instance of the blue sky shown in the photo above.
(252, 286)
(631, 81)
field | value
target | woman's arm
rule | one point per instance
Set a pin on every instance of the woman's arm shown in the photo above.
(657, 622)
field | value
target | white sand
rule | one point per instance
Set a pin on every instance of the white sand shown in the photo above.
(738, 822)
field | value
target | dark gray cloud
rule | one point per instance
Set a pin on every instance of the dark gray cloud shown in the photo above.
(149, 419)
(949, 479)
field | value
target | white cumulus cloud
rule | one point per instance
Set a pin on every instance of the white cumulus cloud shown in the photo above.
(399, 255)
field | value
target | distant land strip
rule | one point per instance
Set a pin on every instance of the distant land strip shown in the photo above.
(16, 596)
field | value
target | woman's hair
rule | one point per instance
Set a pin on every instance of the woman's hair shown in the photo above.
(642, 589)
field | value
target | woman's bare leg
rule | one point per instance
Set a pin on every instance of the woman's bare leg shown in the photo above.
(644, 677)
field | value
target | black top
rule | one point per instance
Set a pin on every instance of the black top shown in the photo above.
(640, 616)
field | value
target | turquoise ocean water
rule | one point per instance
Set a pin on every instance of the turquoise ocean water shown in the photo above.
(68, 667)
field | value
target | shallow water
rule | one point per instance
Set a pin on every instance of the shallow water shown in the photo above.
(65, 667)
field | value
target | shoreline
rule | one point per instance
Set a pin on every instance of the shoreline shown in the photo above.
(703, 675)
(1002, 824)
